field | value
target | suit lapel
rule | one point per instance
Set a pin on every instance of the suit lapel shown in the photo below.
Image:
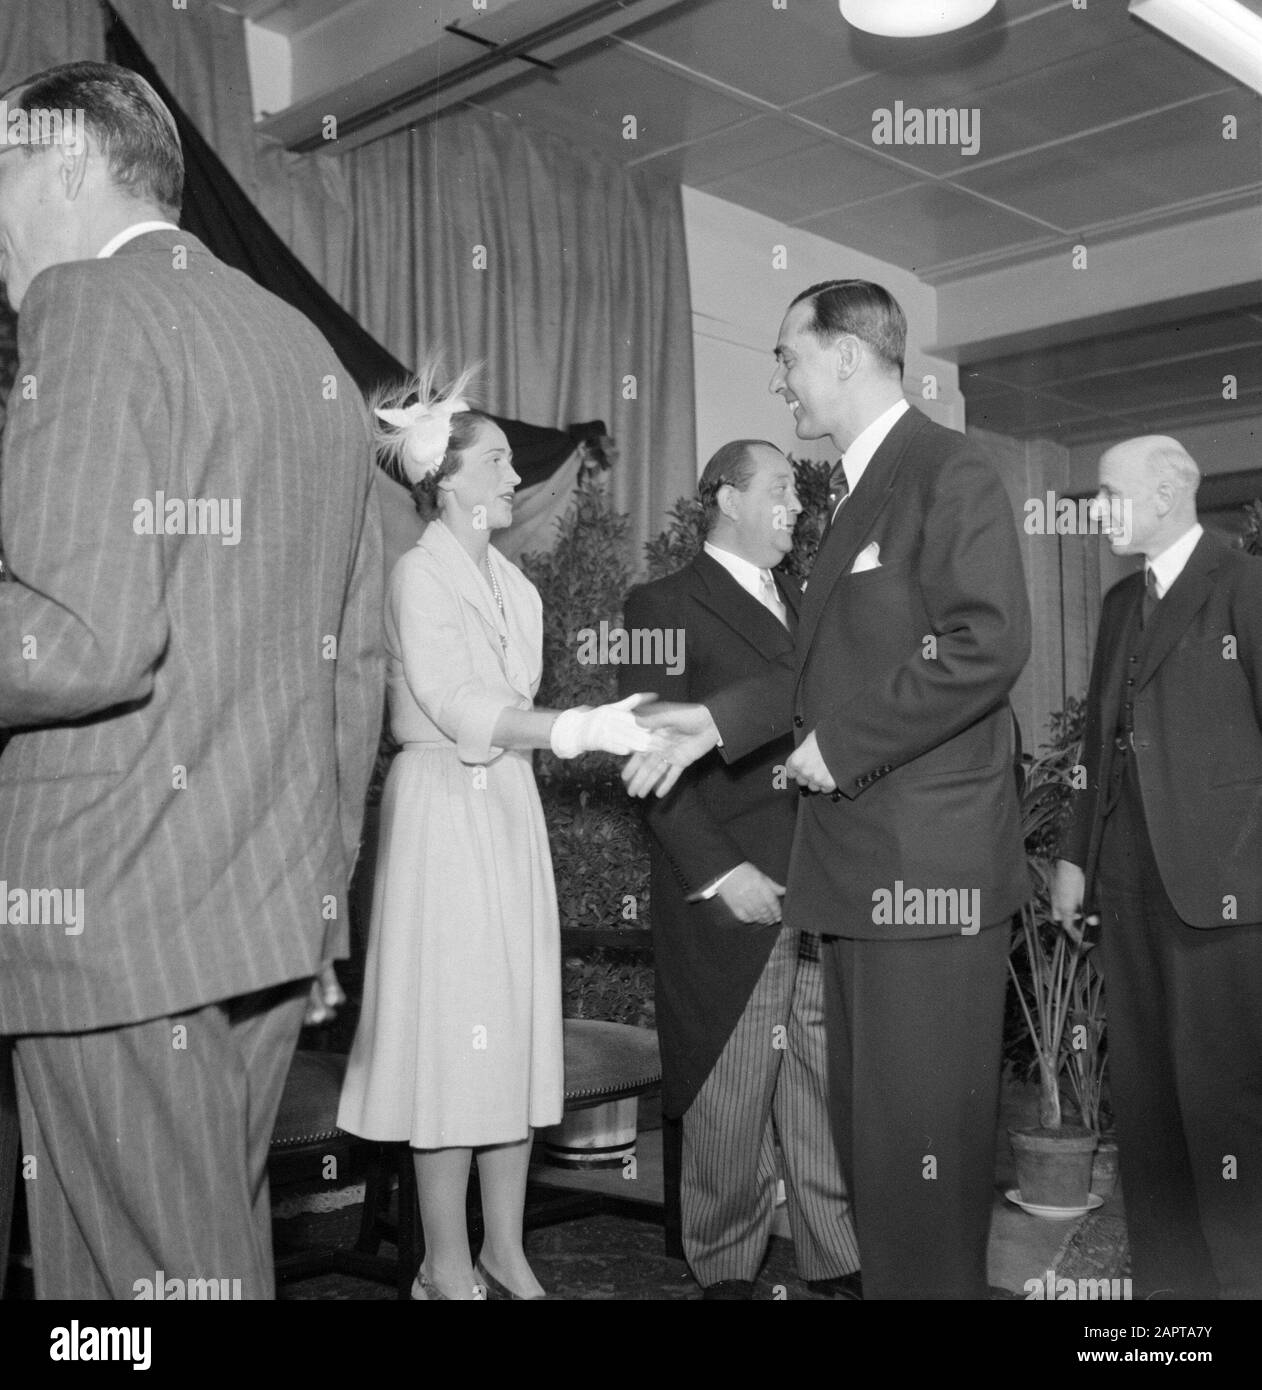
(1188, 595)
(715, 589)
(465, 575)
(849, 532)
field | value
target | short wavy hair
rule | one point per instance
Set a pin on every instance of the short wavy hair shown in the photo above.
(860, 307)
(127, 119)
(731, 463)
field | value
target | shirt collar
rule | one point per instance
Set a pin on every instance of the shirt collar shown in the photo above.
(1168, 566)
(857, 457)
(129, 234)
(747, 575)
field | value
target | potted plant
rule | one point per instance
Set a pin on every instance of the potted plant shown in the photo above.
(1060, 996)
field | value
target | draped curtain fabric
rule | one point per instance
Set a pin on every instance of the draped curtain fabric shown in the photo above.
(565, 275)
(200, 54)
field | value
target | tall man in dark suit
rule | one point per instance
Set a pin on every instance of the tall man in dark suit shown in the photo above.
(1165, 844)
(189, 664)
(739, 994)
(907, 853)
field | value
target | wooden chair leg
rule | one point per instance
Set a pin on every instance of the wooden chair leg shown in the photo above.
(411, 1240)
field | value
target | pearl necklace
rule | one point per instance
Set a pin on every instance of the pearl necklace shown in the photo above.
(499, 601)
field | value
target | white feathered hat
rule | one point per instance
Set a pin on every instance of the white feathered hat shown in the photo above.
(414, 438)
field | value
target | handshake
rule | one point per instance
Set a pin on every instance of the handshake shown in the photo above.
(663, 739)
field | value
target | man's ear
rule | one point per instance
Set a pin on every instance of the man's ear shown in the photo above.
(725, 498)
(849, 352)
(75, 156)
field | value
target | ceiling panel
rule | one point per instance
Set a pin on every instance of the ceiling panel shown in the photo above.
(961, 74)
(1167, 342)
(1198, 378)
(1167, 157)
(744, 146)
(776, 55)
(925, 224)
(824, 172)
(606, 82)
(1153, 379)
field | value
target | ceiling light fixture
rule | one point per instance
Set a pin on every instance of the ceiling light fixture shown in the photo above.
(1223, 32)
(913, 19)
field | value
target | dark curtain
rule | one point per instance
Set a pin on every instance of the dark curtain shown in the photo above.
(218, 212)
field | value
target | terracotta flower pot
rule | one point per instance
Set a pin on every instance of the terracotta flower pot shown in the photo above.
(1054, 1165)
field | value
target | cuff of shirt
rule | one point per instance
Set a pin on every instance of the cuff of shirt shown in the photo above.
(477, 723)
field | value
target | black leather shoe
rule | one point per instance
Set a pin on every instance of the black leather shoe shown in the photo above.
(844, 1286)
(729, 1290)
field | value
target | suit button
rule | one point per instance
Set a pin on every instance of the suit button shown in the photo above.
(836, 796)
(797, 721)
(1130, 680)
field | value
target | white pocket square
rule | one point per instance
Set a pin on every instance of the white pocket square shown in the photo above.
(869, 558)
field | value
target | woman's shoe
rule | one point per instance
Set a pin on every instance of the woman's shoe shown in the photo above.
(426, 1290)
(496, 1291)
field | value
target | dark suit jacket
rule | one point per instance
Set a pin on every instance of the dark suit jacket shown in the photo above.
(1198, 734)
(903, 672)
(717, 816)
(194, 722)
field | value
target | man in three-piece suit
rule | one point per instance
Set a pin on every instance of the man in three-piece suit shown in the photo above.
(1165, 845)
(189, 667)
(739, 994)
(907, 854)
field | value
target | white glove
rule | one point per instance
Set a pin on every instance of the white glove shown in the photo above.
(605, 729)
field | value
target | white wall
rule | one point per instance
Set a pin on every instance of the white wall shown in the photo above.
(738, 300)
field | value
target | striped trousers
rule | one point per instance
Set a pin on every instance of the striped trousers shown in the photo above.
(147, 1147)
(770, 1080)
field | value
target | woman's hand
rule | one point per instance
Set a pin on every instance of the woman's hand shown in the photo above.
(605, 729)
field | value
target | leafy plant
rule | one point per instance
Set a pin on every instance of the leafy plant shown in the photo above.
(1086, 1054)
(582, 582)
(599, 843)
(1251, 541)
(599, 985)
(1055, 985)
(599, 856)
(675, 546)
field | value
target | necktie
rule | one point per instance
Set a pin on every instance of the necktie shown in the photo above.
(770, 595)
(1151, 596)
(838, 491)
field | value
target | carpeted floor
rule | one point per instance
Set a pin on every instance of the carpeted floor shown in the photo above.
(603, 1257)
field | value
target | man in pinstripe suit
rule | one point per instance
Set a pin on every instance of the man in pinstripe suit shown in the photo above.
(189, 666)
(739, 995)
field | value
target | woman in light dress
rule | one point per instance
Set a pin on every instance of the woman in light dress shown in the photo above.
(459, 1047)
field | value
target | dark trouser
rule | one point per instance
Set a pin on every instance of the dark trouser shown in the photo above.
(149, 1143)
(915, 1032)
(1185, 1061)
